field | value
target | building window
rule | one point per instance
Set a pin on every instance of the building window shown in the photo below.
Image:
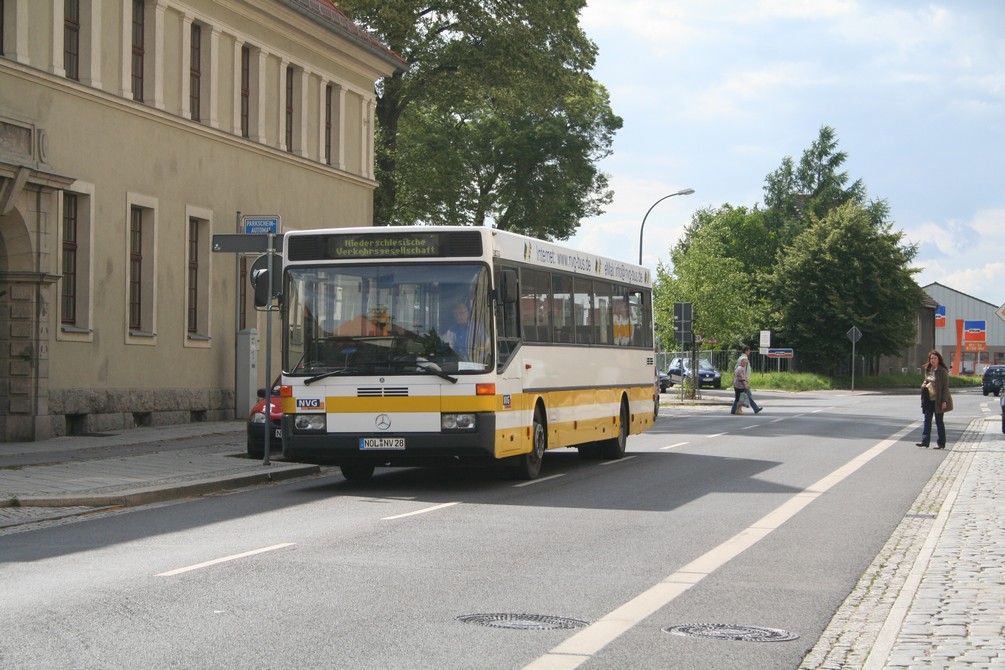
(138, 49)
(245, 91)
(71, 38)
(142, 263)
(289, 108)
(69, 292)
(195, 72)
(198, 257)
(193, 275)
(328, 124)
(136, 268)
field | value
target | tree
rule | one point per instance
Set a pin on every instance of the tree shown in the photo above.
(794, 195)
(709, 269)
(496, 115)
(844, 271)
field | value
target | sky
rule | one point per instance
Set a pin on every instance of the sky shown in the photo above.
(715, 94)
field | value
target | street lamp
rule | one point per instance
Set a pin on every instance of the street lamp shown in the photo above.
(683, 191)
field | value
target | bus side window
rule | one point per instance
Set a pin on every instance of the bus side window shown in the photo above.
(561, 303)
(603, 319)
(535, 305)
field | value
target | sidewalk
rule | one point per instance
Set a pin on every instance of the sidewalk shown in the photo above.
(68, 476)
(934, 597)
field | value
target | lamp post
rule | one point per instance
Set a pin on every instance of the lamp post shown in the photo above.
(683, 191)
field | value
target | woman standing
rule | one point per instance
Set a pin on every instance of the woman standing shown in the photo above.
(935, 399)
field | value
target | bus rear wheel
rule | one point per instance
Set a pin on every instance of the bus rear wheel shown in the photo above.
(357, 472)
(529, 465)
(614, 448)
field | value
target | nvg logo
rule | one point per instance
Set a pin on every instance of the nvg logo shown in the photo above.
(309, 403)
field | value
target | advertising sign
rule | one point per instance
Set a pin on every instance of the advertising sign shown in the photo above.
(940, 316)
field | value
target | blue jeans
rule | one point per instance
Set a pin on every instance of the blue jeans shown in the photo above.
(926, 432)
(750, 401)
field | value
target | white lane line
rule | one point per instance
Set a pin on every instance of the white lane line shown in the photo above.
(582, 646)
(753, 425)
(815, 411)
(197, 566)
(707, 437)
(421, 511)
(620, 460)
(777, 420)
(673, 446)
(538, 481)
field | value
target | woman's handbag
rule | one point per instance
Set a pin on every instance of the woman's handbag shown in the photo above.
(743, 400)
(931, 391)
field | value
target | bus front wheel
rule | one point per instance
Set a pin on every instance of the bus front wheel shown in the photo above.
(529, 464)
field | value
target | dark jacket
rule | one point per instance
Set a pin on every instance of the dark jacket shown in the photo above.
(941, 386)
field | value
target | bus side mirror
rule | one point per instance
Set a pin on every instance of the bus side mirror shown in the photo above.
(263, 288)
(509, 288)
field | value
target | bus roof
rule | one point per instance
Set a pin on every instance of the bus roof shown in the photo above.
(496, 244)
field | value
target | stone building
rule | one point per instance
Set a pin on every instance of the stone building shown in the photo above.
(131, 132)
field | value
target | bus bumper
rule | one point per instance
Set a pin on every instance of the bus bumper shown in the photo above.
(469, 447)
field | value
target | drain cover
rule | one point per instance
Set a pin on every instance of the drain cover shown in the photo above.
(725, 631)
(522, 621)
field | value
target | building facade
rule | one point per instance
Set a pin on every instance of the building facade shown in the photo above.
(131, 132)
(967, 350)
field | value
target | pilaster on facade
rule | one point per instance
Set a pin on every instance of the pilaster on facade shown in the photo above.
(369, 109)
(58, 21)
(157, 68)
(15, 27)
(339, 159)
(213, 107)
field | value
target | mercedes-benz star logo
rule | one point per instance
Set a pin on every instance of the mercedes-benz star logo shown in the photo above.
(383, 422)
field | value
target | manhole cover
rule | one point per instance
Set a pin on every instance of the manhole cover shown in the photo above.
(725, 631)
(522, 621)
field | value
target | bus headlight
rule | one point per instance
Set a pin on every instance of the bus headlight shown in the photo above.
(309, 422)
(457, 421)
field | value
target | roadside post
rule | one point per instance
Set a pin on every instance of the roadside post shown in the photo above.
(260, 235)
(854, 334)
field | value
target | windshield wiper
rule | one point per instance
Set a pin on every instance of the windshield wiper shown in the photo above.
(330, 373)
(425, 366)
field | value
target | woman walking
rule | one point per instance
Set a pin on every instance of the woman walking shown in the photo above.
(935, 400)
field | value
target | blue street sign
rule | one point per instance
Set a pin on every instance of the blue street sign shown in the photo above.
(780, 353)
(261, 225)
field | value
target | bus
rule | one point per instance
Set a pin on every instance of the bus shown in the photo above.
(428, 345)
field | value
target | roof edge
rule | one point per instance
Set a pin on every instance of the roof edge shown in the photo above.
(327, 14)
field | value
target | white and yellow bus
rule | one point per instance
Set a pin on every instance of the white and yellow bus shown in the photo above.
(409, 346)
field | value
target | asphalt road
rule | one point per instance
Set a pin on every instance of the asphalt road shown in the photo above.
(710, 522)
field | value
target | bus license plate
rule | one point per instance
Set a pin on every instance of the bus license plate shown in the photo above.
(381, 443)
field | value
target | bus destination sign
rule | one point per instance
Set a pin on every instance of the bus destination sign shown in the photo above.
(391, 245)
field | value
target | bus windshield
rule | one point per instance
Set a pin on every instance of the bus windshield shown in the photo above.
(387, 319)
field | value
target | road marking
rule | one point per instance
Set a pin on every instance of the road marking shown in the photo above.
(672, 446)
(707, 437)
(197, 566)
(815, 411)
(537, 481)
(582, 646)
(777, 420)
(753, 425)
(421, 511)
(620, 460)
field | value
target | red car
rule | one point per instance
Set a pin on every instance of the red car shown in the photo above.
(257, 426)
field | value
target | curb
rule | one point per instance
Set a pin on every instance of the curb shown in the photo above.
(152, 494)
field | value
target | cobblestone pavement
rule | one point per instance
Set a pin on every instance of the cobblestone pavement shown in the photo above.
(934, 597)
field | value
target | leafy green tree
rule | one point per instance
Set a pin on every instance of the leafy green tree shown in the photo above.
(708, 270)
(495, 116)
(794, 195)
(844, 271)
